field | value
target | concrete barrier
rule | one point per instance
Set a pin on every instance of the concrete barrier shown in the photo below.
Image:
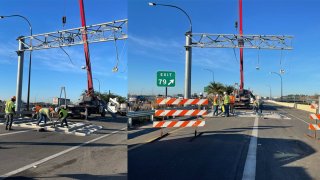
(283, 104)
(303, 107)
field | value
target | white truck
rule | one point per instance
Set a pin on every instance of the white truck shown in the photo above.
(115, 107)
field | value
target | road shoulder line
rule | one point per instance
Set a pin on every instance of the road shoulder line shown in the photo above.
(16, 132)
(249, 172)
(56, 155)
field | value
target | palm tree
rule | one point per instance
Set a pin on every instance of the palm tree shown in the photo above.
(229, 89)
(216, 88)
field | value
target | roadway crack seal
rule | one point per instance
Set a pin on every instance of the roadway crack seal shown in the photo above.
(149, 141)
(154, 139)
(194, 137)
(158, 138)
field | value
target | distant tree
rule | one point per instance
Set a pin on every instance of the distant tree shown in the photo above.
(106, 96)
(229, 89)
(216, 88)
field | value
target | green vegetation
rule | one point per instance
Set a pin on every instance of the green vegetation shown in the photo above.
(105, 96)
(219, 88)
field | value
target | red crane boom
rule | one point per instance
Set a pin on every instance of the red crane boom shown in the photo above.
(86, 50)
(241, 49)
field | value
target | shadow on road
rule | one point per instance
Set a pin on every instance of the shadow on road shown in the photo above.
(141, 132)
(217, 156)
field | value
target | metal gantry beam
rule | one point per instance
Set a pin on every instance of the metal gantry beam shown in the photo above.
(110, 31)
(206, 40)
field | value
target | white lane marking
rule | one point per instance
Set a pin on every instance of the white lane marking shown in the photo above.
(17, 132)
(294, 116)
(56, 155)
(249, 172)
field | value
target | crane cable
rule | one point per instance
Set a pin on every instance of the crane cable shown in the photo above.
(64, 17)
(64, 21)
(121, 54)
(281, 57)
(234, 51)
(258, 64)
(115, 68)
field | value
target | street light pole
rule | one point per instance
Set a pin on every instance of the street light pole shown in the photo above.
(269, 92)
(30, 54)
(212, 74)
(281, 82)
(188, 63)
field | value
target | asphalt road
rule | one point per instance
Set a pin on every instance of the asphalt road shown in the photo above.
(229, 148)
(28, 154)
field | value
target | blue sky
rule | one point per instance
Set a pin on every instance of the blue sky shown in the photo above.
(157, 39)
(51, 69)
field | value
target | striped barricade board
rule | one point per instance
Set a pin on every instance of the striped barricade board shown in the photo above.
(176, 101)
(314, 106)
(314, 116)
(177, 124)
(314, 127)
(180, 112)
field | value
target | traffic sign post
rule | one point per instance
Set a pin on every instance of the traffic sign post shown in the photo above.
(166, 79)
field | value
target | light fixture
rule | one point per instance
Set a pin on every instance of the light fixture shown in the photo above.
(115, 69)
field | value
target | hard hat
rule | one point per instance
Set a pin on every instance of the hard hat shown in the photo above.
(217, 94)
(224, 92)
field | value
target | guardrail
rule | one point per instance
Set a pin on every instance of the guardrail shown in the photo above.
(136, 114)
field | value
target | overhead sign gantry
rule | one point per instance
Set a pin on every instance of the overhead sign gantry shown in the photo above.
(104, 32)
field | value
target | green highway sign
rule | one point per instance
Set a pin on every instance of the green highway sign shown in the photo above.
(206, 89)
(166, 78)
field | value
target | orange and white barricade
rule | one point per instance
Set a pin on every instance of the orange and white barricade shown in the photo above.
(315, 117)
(169, 124)
(314, 128)
(180, 111)
(314, 106)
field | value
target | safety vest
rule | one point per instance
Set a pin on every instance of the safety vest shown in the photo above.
(215, 101)
(9, 107)
(44, 111)
(226, 99)
(232, 99)
(63, 113)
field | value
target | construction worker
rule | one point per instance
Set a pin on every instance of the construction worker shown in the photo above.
(36, 110)
(257, 103)
(215, 104)
(10, 110)
(232, 101)
(63, 114)
(44, 113)
(221, 105)
(226, 103)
